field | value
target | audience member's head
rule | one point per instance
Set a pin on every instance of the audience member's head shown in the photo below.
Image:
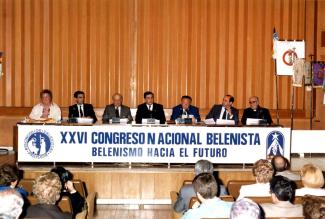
(280, 163)
(313, 207)
(47, 188)
(203, 166)
(205, 186)
(263, 171)
(11, 204)
(8, 175)
(245, 208)
(312, 176)
(281, 189)
(64, 175)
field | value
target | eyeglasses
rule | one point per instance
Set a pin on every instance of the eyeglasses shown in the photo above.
(252, 101)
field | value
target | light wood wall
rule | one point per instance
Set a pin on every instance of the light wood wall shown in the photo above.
(152, 183)
(204, 48)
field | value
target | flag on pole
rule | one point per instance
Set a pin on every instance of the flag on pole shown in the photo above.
(275, 37)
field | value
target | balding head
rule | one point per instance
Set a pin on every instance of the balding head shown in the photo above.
(253, 102)
(117, 99)
(280, 163)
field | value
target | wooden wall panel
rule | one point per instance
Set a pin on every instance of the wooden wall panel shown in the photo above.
(203, 48)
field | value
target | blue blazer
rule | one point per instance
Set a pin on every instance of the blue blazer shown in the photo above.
(178, 111)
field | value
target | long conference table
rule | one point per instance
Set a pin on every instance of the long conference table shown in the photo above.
(108, 143)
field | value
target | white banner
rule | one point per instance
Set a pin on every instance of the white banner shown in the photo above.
(172, 144)
(286, 53)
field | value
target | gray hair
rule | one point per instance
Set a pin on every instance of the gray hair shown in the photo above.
(11, 204)
(203, 166)
(245, 208)
(47, 188)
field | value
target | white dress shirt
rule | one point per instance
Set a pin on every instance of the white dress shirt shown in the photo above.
(37, 111)
(150, 107)
(82, 108)
(223, 109)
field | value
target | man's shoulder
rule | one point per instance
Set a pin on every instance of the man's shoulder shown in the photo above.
(109, 106)
(179, 106)
(188, 188)
(263, 108)
(194, 107)
(142, 105)
(125, 107)
(158, 105)
(72, 106)
(216, 106)
(88, 105)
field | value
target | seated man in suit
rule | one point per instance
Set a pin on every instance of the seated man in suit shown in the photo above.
(256, 112)
(187, 191)
(282, 193)
(117, 109)
(81, 109)
(206, 189)
(185, 108)
(46, 109)
(150, 109)
(224, 111)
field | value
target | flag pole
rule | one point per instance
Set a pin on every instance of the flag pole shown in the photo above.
(276, 37)
(311, 92)
(277, 95)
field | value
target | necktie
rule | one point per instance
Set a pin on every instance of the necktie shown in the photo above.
(117, 113)
(149, 107)
(225, 114)
(81, 112)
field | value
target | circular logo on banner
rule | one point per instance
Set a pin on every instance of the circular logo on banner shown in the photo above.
(289, 56)
(275, 143)
(38, 143)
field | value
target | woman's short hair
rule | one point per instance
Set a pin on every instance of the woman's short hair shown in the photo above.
(46, 91)
(8, 174)
(313, 207)
(206, 185)
(312, 176)
(263, 171)
(11, 204)
(47, 188)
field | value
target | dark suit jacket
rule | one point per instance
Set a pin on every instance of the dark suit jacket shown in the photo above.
(109, 113)
(192, 110)
(260, 113)
(88, 111)
(216, 110)
(46, 211)
(156, 113)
